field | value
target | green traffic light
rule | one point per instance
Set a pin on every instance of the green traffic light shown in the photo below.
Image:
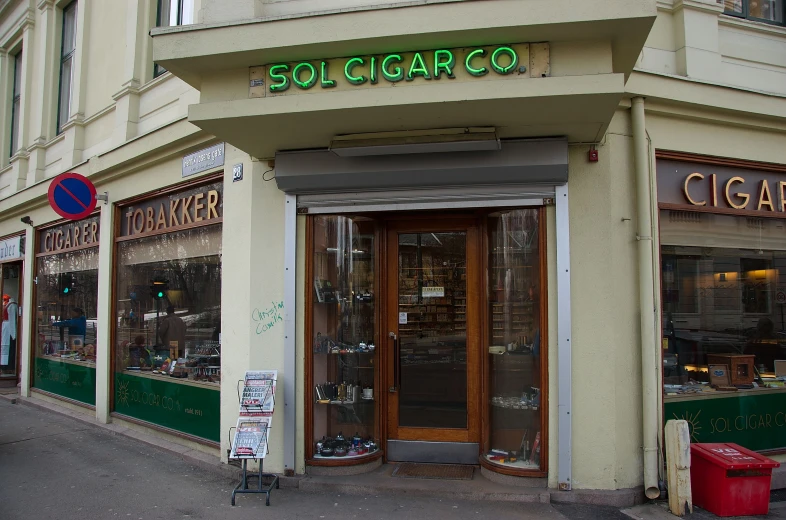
(66, 290)
(160, 294)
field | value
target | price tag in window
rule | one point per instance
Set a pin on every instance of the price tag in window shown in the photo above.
(402, 318)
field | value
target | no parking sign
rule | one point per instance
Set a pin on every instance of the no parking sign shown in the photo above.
(780, 297)
(72, 196)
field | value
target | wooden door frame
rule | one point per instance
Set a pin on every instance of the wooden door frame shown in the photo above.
(473, 323)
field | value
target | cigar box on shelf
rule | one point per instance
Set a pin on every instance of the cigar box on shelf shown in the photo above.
(740, 366)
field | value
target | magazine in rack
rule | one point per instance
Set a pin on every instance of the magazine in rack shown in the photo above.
(259, 390)
(251, 438)
(257, 400)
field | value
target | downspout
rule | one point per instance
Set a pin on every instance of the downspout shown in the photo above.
(649, 363)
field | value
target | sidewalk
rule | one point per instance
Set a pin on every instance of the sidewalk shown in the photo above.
(54, 465)
(659, 511)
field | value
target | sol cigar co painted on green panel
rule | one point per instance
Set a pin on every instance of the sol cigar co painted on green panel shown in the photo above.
(522, 60)
(756, 421)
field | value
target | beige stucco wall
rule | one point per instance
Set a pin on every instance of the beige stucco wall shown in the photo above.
(605, 320)
(252, 278)
(696, 40)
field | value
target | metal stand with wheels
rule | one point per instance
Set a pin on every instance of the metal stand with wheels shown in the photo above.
(251, 434)
(262, 486)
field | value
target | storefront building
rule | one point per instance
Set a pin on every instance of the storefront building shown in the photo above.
(507, 234)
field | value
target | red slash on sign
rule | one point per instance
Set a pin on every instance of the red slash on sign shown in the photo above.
(72, 196)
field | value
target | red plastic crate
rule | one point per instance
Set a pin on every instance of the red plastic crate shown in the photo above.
(729, 480)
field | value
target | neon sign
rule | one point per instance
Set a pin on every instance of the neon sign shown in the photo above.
(391, 68)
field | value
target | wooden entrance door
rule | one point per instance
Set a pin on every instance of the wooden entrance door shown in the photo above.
(433, 335)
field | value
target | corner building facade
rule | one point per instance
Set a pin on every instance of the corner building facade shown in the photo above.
(501, 233)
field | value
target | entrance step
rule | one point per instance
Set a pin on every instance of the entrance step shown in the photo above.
(381, 482)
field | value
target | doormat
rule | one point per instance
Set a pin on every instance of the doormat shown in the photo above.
(436, 471)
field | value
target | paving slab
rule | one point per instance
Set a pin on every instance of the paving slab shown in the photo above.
(659, 511)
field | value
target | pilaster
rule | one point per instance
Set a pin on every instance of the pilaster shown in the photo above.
(4, 94)
(26, 346)
(696, 34)
(42, 121)
(79, 82)
(105, 318)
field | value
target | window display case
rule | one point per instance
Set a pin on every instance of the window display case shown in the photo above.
(66, 318)
(167, 333)
(343, 356)
(515, 441)
(724, 340)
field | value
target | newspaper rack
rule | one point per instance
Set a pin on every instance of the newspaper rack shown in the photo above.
(256, 397)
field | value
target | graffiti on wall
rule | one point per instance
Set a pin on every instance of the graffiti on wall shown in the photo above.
(266, 319)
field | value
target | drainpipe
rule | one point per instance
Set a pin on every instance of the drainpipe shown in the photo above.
(649, 358)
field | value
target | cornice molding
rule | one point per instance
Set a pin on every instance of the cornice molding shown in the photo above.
(708, 6)
(44, 5)
(38, 143)
(101, 113)
(129, 87)
(20, 154)
(26, 20)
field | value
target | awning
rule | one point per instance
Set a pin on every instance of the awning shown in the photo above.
(521, 169)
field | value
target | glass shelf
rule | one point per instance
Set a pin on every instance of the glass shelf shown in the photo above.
(515, 412)
(343, 327)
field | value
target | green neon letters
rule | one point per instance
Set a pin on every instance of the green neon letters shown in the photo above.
(274, 75)
(418, 68)
(393, 77)
(312, 79)
(394, 67)
(514, 60)
(444, 61)
(326, 82)
(351, 64)
(482, 71)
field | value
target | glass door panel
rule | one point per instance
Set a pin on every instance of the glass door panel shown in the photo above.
(433, 338)
(432, 353)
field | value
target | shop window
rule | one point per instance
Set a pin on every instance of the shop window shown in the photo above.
(12, 291)
(517, 345)
(343, 327)
(764, 10)
(66, 303)
(67, 53)
(724, 357)
(172, 13)
(16, 103)
(167, 337)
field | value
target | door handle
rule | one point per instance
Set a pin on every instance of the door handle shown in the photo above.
(392, 389)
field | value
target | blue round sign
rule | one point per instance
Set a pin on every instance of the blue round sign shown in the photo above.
(72, 196)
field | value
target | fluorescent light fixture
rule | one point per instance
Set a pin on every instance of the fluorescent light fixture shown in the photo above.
(421, 141)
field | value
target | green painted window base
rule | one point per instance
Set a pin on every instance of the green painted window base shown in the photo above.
(71, 380)
(185, 408)
(753, 419)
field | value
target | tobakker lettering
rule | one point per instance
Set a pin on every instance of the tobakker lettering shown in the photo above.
(185, 210)
(78, 234)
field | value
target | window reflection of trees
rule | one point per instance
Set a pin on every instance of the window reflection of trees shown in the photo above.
(53, 304)
(190, 261)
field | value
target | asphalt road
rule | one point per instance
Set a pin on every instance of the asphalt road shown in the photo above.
(52, 466)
